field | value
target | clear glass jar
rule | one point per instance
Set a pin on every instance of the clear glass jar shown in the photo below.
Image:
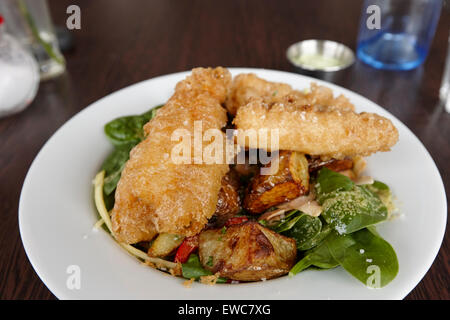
(30, 23)
(19, 74)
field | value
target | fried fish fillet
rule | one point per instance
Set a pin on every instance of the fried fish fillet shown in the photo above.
(156, 195)
(316, 130)
(248, 86)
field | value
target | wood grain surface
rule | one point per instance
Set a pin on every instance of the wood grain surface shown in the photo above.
(122, 42)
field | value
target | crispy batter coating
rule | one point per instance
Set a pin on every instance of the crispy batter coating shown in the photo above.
(248, 86)
(317, 130)
(155, 195)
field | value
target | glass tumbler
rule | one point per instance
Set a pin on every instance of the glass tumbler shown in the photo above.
(444, 92)
(30, 23)
(397, 34)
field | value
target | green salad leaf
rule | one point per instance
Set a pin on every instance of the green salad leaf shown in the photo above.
(329, 181)
(129, 129)
(378, 185)
(346, 206)
(365, 255)
(316, 239)
(384, 193)
(194, 269)
(304, 230)
(124, 133)
(319, 257)
(302, 227)
(113, 167)
(287, 222)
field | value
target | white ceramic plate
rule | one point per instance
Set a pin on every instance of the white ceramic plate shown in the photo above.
(56, 212)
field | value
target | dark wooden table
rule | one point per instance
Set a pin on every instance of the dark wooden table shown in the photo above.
(122, 42)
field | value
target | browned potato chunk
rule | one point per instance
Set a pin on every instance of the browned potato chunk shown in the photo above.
(332, 164)
(247, 252)
(165, 244)
(246, 170)
(228, 203)
(289, 182)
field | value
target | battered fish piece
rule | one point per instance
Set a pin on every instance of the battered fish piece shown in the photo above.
(156, 195)
(317, 130)
(245, 87)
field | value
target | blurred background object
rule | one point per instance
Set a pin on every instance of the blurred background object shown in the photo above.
(396, 34)
(322, 59)
(29, 21)
(19, 75)
(444, 91)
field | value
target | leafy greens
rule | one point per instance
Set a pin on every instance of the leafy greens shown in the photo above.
(124, 133)
(194, 269)
(347, 207)
(366, 256)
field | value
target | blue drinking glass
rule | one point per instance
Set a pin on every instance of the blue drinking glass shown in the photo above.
(397, 34)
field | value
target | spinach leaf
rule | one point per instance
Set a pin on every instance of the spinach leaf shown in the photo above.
(109, 203)
(305, 228)
(350, 211)
(346, 206)
(329, 181)
(378, 185)
(365, 255)
(317, 239)
(384, 193)
(319, 257)
(194, 269)
(129, 129)
(124, 133)
(287, 222)
(113, 167)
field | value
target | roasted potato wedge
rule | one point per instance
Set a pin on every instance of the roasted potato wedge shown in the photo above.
(289, 182)
(246, 252)
(165, 244)
(228, 203)
(332, 164)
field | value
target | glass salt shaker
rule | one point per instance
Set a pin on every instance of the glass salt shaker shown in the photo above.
(19, 74)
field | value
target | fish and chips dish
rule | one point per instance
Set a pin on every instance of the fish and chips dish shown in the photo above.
(242, 179)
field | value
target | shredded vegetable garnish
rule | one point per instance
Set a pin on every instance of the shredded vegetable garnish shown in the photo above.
(99, 201)
(99, 223)
(106, 219)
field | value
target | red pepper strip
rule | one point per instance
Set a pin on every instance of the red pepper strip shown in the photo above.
(189, 245)
(235, 220)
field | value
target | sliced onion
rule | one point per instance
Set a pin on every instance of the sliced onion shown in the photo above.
(305, 204)
(273, 215)
(312, 208)
(364, 180)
